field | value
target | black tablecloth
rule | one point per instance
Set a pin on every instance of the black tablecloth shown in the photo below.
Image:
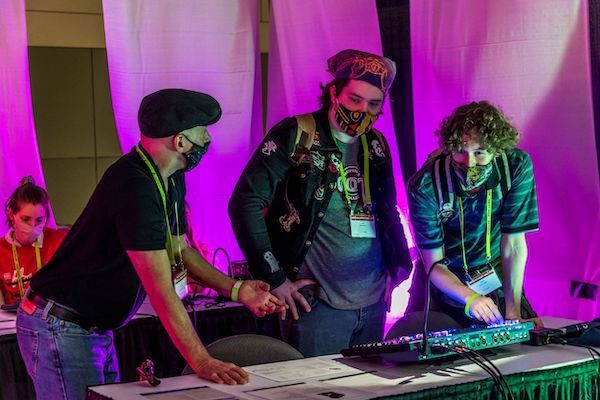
(14, 381)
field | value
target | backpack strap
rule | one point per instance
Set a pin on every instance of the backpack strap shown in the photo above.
(302, 161)
(444, 188)
(503, 170)
(305, 132)
(305, 136)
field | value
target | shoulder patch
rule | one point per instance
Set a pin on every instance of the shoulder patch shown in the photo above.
(272, 261)
(377, 149)
(269, 148)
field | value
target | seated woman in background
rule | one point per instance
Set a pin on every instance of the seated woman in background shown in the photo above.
(28, 244)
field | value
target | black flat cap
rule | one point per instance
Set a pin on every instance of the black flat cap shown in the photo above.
(170, 111)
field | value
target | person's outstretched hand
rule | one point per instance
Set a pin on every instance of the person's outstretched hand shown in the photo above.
(288, 293)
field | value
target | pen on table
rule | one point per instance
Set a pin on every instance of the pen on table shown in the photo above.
(407, 380)
(347, 376)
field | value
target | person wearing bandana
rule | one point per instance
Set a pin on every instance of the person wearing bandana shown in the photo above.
(29, 243)
(129, 243)
(316, 218)
(473, 235)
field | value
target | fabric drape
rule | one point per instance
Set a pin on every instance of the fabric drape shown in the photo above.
(531, 58)
(18, 142)
(204, 45)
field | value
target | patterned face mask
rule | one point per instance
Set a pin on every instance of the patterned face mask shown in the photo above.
(472, 177)
(354, 123)
(193, 157)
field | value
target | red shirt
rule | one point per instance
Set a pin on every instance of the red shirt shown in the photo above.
(8, 276)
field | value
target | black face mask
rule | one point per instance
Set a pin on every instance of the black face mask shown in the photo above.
(193, 156)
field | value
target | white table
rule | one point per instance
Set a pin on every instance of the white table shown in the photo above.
(368, 378)
(7, 323)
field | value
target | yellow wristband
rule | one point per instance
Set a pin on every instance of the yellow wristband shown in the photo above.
(468, 304)
(236, 289)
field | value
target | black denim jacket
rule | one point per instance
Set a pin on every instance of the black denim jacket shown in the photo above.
(260, 205)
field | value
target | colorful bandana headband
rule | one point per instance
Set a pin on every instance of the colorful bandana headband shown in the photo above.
(354, 64)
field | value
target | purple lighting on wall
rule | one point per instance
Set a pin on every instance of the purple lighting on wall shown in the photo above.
(531, 59)
(18, 143)
(204, 45)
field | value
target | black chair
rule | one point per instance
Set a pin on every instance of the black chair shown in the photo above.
(244, 350)
(412, 323)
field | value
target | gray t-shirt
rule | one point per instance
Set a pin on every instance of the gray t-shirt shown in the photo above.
(349, 270)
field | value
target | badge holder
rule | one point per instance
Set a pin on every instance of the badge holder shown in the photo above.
(484, 282)
(362, 225)
(362, 219)
(179, 274)
(178, 270)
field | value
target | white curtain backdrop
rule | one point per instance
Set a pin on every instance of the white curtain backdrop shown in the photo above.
(302, 36)
(531, 59)
(205, 45)
(19, 155)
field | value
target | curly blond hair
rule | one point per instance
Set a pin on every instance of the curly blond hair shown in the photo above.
(496, 132)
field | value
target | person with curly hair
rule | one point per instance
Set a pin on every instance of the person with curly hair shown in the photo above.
(470, 206)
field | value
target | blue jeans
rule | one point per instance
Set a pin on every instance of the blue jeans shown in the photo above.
(62, 358)
(327, 330)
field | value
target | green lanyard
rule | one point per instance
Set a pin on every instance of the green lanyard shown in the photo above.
(366, 174)
(38, 262)
(488, 230)
(157, 181)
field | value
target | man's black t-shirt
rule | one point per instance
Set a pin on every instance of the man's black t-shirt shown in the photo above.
(91, 272)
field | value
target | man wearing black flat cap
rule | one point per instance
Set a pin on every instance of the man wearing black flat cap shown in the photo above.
(128, 242)
(315, 212)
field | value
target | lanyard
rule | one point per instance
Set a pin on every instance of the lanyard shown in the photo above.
(158, 182)
(38, 262)
(366, 180)
(488, 230)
